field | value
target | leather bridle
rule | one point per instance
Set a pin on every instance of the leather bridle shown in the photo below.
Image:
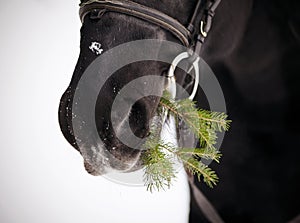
(140, 11)
(191, 36)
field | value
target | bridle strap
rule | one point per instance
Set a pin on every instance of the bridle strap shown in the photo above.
(192, 36)
(140, 11)
(203, 203)
(205, 23)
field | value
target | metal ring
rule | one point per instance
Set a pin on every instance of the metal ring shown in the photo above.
(175, 63)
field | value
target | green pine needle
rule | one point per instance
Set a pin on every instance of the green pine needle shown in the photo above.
(159, 157)
(199, 153)
(198, 168)
(203, 123)
(159, 170)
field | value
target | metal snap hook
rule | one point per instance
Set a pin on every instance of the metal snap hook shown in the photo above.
(203, 33)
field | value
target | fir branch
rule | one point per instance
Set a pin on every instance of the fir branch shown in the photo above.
(214, 120)
(159, 170)
(186, 110)
(199, 153)
(159, 156)
(201, 170)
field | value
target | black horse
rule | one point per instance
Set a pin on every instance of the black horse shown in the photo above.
(253, 48)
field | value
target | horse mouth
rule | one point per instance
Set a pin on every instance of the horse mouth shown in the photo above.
(123, 167)
(103, 159)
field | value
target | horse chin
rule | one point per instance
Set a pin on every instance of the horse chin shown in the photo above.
(98, 171)
(92, 170)
(104, 162)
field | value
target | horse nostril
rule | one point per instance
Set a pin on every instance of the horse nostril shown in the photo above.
(139, 119)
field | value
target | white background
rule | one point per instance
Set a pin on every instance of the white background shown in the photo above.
(42, 179)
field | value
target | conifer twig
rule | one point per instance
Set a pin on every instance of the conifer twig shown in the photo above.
(159, 156)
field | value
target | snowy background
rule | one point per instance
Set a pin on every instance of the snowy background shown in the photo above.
(42, 177)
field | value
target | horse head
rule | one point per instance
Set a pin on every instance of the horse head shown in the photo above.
(101, 31)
